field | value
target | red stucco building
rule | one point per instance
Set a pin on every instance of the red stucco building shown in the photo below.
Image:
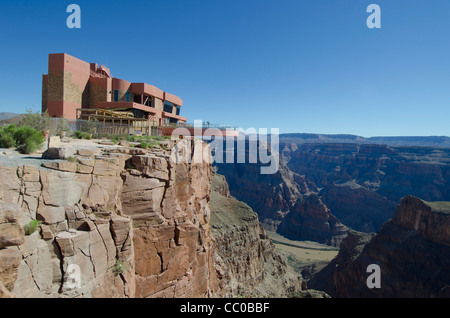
(73, 85)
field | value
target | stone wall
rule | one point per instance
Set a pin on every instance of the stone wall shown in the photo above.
(159, 104)
(97, 93)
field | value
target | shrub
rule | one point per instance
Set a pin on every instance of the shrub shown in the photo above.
(7, 136)
(119, 267)
(82, 135)
(35, 120)
(143, 145)
(31, 227)
(63, 127)
(28, 139)
(89, 127)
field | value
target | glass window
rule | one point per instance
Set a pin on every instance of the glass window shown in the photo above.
(127, 96)
(178, 110)
(116, 95)
(168, 107)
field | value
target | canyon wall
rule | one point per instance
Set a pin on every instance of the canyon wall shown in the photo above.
(285, 201)
(249, 264)
(127, 222)
(411, 251)
(362, 183)
(326, 187)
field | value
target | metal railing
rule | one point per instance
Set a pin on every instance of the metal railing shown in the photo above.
(68, 127)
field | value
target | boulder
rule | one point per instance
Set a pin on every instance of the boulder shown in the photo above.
(54, 142)
(62, 152)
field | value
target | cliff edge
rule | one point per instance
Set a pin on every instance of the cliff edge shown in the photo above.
(104, 221)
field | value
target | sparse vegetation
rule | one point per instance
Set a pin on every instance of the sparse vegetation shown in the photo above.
(119, 267)
(89, 127)
(82, 135)
(143, 145)
(31, 227)
(439, 206)
(63, 128)
(36, 120)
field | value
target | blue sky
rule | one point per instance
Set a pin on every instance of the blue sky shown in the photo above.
(297, 65)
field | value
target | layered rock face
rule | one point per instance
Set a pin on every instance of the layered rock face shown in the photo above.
(169, 204)
(362, 184)
(310, 219)
(126, 223)
(247, 263)
(350, 184)
(286, 202)
(411, 249)
(81, 234)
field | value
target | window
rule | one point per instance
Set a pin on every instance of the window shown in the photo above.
(116, 95)
(127, 96)
(139, 113)
(148, 102)
(168, 107)
(178, 110)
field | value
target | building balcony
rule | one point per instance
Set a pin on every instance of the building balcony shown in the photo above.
(130, 105)
(177, 117)
(145, 108)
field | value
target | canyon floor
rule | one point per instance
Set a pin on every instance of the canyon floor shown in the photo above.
(304, 257)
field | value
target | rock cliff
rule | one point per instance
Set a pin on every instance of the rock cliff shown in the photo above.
(100, 221)
(249, 264)
(310, 219)
(325, 187)
(286, 202)
(411, 249)
(121, 223)
(362, 183)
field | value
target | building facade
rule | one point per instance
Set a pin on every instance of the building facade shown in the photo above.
(73, 85)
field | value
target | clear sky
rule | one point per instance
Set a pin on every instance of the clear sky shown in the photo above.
(297, 65)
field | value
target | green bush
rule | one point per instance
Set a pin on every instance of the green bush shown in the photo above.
(82, 135)
(7, 136)
(28, 139)
(143, 145)
(31, 227)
